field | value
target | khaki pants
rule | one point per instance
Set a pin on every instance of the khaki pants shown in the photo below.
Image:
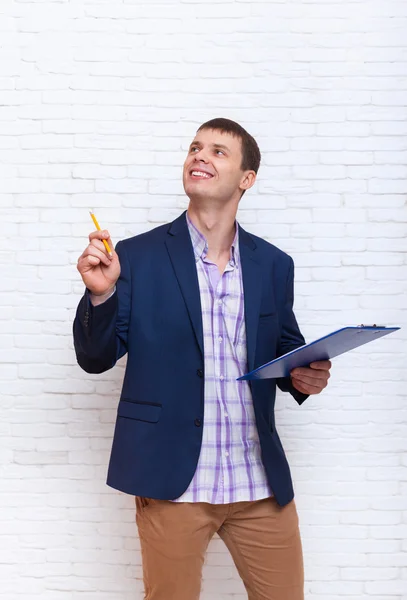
(262, 537)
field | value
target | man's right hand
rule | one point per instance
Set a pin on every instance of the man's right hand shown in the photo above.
(98, 270)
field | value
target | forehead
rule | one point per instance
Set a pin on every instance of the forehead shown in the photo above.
(213, 137)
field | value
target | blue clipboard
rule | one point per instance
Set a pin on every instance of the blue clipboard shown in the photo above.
(331, 345)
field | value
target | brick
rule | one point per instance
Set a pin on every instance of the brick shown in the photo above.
(104, 121)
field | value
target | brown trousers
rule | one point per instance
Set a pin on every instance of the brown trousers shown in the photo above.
(262, 537)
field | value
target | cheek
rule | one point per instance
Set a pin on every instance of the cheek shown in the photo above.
(185, 172)
(226, 176)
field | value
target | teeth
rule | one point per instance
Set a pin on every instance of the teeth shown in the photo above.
(201, 174)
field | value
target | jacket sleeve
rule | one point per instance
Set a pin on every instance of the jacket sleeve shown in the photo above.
(291, 336)
(100, 332)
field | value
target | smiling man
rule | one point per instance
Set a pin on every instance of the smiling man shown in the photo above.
(195, 304)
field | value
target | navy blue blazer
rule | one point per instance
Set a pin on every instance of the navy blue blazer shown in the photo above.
(155, 316)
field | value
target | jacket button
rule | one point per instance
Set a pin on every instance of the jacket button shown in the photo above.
(198, 422)
(199, 372)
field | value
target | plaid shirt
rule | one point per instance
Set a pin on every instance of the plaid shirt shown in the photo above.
(230, 468)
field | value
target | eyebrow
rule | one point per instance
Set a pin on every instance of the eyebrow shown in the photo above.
(213, 146)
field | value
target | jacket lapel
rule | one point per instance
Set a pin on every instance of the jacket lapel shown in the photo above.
(252, 280)
(182, 257)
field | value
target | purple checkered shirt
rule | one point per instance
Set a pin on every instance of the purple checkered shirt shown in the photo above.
(230, 468)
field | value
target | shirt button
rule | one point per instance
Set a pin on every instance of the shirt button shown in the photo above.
(199, 372)
(198, 422)
(220, 302)
(226, 453)
(226, 415)
(220, 338)
(221, 378)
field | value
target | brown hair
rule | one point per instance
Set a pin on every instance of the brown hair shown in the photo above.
(250, 150)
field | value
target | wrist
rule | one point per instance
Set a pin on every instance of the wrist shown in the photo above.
(108, 292)
(100, 298)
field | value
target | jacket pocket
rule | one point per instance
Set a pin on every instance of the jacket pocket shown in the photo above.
(140, 411)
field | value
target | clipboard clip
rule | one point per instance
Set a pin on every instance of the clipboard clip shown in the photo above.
(374, 325)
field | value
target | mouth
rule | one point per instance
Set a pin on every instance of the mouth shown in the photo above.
(198, 174)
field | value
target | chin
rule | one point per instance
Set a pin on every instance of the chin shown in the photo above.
(195, 196)
(193, 192)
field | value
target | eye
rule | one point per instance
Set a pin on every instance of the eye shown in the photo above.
(193, 148)
(216, 151)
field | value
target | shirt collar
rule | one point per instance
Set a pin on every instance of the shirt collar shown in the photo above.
(200, 244)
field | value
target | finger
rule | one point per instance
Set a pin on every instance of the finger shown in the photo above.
(325, 365)
(85, 263)
(99, 235)
(98, 244)
(304, 388)
(101, 255)
(305, 372)
(101, 246)
(93, 260)
(317, 381)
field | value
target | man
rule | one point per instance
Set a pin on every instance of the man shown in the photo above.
(195, 304)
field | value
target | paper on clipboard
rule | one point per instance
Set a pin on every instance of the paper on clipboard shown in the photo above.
(327, 347)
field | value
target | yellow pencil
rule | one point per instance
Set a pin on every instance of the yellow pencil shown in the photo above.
(98, 228)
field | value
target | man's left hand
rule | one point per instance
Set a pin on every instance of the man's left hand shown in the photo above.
(313, 379)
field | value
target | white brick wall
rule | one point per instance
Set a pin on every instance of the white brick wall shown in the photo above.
(98, 101)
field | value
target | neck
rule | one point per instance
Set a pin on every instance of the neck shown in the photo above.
(217, 225)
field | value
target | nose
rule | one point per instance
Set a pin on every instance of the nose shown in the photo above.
(200, 156)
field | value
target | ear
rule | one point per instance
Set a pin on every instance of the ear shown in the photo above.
(248, 180)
